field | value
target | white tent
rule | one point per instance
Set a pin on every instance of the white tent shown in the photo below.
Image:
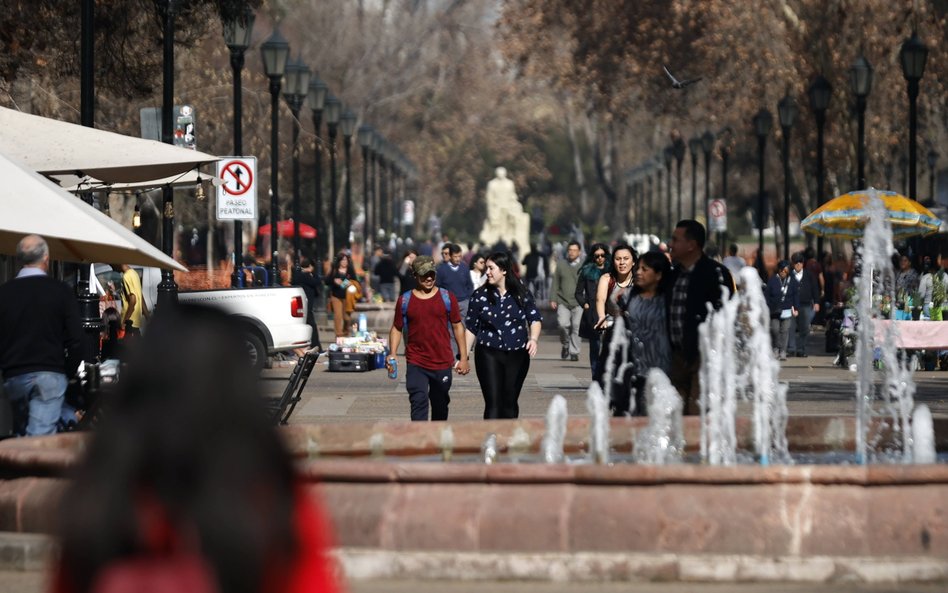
(53, 147)
(74, 230)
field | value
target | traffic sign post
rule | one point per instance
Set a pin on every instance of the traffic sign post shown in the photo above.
(237, 193)
(717, 216)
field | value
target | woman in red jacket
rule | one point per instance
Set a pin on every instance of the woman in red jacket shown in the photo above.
(185, 486)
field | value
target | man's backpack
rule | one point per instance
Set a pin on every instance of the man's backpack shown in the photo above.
(406, 296)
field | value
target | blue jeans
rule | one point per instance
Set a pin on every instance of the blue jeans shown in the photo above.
(37, 401)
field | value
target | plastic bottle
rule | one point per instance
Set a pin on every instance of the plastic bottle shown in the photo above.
(393, 373)
(363, 324)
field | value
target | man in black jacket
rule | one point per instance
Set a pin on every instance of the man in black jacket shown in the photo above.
(696, 280)
(809, 297)
(39, 340)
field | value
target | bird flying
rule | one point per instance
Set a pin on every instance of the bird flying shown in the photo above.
(679, 84)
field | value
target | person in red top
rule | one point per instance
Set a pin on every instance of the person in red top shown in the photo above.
(428, 351)
(185, 486)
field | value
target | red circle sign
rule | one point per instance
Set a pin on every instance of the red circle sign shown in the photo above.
(237, 178)
(717, 209)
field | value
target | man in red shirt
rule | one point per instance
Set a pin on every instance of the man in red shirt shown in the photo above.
(429, 315)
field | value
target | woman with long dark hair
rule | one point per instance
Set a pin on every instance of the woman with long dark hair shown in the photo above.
(646, 329)
(339, 280)
(185, 486)
(596, 264)
(505, 322)
(612, 294)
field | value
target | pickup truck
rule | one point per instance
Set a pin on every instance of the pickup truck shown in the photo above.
(272, 319)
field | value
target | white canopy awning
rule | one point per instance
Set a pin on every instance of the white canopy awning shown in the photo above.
(53, 147)
(74, 230)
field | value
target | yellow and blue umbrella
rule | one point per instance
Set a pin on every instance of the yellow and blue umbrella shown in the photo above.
(846, 216)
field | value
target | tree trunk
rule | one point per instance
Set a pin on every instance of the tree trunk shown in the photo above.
(577, 163)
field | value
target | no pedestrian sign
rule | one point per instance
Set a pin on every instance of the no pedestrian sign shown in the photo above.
(717, 216)
(237, 193)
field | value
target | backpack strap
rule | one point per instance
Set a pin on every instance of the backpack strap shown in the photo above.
(405, 296)
(445, 298)
(447, 307)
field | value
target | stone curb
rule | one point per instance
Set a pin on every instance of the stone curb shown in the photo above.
(26, 551)
(373, 564)
(32, 552)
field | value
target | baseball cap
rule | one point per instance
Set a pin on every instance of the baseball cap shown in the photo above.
(422, 266)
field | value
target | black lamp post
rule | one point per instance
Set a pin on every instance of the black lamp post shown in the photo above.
(89, 315)
(167, 288)
(365, 139)
(820, 92)
(275, 51)
(725, 149)
(668, 154)
(649, 195)
(333, 108)
(932, 163)
(912, 56)
(347, 122)
(694, 147)
(763, 122)
(707, 145)
(297, 87)
(375, 144)
(316, 100)
(787, 111)
(860, 79)
(237, 34)
(679, 147)
(656, 204)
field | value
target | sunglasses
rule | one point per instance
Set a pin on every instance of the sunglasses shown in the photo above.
(599, 255)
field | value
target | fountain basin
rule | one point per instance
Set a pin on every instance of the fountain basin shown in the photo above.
(396, 504)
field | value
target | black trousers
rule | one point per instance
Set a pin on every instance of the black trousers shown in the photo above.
(425, 385)
(501, 374)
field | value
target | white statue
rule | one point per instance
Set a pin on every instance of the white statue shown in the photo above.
(506, 220)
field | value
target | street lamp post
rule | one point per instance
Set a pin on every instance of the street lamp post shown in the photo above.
(237, 34)
(275, 51)
(707, 145)
(932, 163)
(763, 122)
(820, 92)
(913, 55)
(679, 146)
(656, 204)
(347, 122)
(374, 157)
(333, 108)
(860, 79)
(316, 100)
(365, 139)
(787, 111)
(725, 149)
(668, 154)
(167, 288)
(694, 147)
(297, 87)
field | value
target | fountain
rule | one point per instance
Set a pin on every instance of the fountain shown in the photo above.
(663, 440)
(657, 519)
(738, 361)
(555, 433)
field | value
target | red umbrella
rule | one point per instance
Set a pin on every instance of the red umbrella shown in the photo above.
(285, 229)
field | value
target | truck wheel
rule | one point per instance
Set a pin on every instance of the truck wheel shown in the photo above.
(256, 350)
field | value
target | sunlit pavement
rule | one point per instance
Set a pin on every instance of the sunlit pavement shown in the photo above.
(816, 386)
